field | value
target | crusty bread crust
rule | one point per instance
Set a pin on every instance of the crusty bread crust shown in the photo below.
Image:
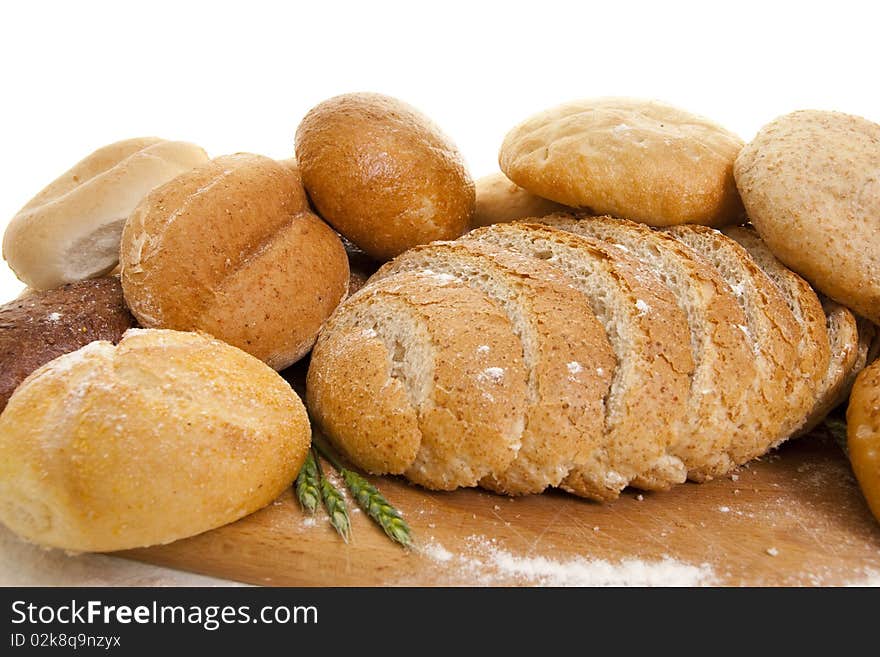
(650, 337)
(165, 436)
(565, 350)
(70, 230)
(230, 248)
(637, 159)
(723, 357)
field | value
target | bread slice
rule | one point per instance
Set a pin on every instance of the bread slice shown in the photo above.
(813, 348)
(846, 350)
(565, 351)
(723, 358)
(648, 334)
(399, 382)
(771, 327)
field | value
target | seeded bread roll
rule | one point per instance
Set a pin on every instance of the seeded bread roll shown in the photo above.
(499, 201)
(382, 174)
(43, 325)
(70, 230)
(810, 181)
(718, 406)
(231, 249)
(164, 436)
(649, 336)
(564, 348)
(771, 327)
(399, 382)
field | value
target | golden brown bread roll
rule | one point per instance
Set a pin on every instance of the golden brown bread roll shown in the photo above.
(70, 230)
(382, 174)
(167, 435)
(863, 434)
(43, 325)
(231, 249)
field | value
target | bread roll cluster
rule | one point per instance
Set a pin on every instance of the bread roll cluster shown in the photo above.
(567, 349)
(223, 263)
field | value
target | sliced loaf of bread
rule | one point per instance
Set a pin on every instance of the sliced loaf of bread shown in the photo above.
(724, 370)
(565, 350)
(650, 339)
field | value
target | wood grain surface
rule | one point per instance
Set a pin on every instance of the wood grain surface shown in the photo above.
(795, 517)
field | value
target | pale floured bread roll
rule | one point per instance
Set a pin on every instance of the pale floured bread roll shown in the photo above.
(167, 435)
(499, 201)
(230, 248)
(636, 159)
(70, 230)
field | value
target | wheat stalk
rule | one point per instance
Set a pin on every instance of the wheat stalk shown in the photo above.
(334, 503)
(368, 497)
(378, 508)
(308, 484)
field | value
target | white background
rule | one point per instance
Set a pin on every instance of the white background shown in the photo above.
(239, 76)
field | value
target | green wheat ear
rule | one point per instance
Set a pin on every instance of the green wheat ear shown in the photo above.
(369, 498)
(308, 483)
(334, 503)
(378, 508)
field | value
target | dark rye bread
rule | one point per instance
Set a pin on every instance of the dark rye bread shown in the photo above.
(565, 350)
(718, 406)
(398, 381)
(43, 325)
(771, 327)
(649, 335)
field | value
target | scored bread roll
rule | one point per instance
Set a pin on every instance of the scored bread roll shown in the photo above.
(382, 174)
(70, 230)
(230, 248)
(43, 325)
(718, 403)
(565, 349)
(164, 436)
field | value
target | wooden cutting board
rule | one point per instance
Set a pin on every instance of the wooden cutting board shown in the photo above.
(792, 518)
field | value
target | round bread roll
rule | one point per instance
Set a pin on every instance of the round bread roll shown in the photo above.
(43, 325)
(634, 159)
(70, 231)
(811, 184)
(501, 201)
(382, 174)
(863, 434)
(165, 436)
(231, 249)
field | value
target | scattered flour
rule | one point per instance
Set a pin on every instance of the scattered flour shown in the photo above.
(642, 306)
(483, 563)
(574, 367)
(493, 374)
